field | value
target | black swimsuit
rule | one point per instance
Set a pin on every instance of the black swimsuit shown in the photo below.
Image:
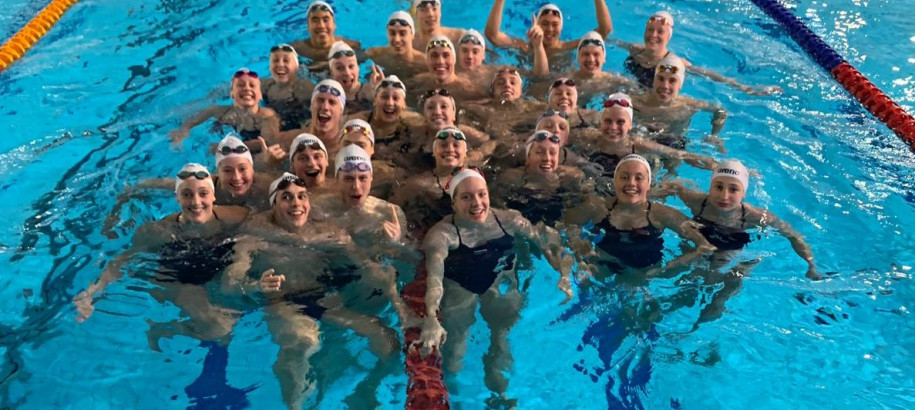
(722, 237)
(292, 112)
(537, 205)
(476, 269)
(636, 248)
(644, 75)
(607, 161)
(194, 261)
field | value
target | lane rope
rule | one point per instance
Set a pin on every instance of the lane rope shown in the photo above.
(26, 37)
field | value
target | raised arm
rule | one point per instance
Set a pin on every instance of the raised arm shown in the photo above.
(541, 61)
(801, 248)
(604, 22)
(494, 28)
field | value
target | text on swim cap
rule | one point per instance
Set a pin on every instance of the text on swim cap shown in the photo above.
(728, 171)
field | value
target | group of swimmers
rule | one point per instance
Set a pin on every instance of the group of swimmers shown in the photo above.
(324, 191)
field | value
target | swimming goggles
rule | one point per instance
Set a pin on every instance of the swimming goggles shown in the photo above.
(353, 128)
(551, 112)
(669, 68)
(400, 22)
(349, 166)
(319, 7)
(244, 72)
(226, 150)
(342, 53)
(456, 134)
(545, 135)
(621, 102)
(390, 83)
(324, 88)
(438, 43)
(508, 71)
(198, 174)
(282, 47)
(664, 21)
(564, 81)
(470, 39)
(286, 182)
(550, 11)
(591, 42)
(438, 91)
(427, 3)
(308, 144)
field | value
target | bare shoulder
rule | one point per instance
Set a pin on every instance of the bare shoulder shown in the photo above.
(231, 213)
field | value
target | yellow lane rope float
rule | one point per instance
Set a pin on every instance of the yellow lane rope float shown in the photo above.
(23, 40)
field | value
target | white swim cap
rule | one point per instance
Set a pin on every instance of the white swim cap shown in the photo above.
(592, 38)
(276, 183)
(400, 17)
(473, 37)
(619, 99)
(307, 140)
(664, 17)
(453, 131)
(230, 147)
(356, 122)
(193, 170)
(733, 168)
(456, 180)
(352, 157)
(319, 5)
(551, 113)
(673, 65)
(341, 48)
(439, 41)
(331, 87)
(637, 158)
(393, 82)
(549, 7)
(287, 48)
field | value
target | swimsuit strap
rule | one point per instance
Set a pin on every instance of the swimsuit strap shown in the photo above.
(648, 211)
(498, 222)
(743, 216)
(371, 115)
(460, 242)
(666, 54)
(565, 155)
(702, 209)
(215, 215)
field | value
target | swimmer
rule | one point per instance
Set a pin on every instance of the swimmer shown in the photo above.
(391, 122)
(345, 69)
(441, 60)
(471, 54)
(385, 174)
(590, 76)
(321, 23)
(193, 247)
(548, 21)
(399, 57)
(470, 262)
(505, 108)
(667, 114)
(327, 104)
(428, 15)
(245, 115)
(562, 96)
(513, 152)
(285, 92)
(308, 161)
(439, 112)
(644, 58)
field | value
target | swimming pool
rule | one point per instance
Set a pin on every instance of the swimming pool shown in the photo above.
(89, 108)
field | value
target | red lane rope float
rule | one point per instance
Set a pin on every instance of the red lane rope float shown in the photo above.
(425, 388)
(872, 98)
(25, 38)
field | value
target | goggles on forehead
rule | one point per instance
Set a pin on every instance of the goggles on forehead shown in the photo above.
(438, 91)
(389, 83)
(427, 3)
(456, 134)
(308, 144)
(621, 102)
(324, 88)
(349, 166)
(244, 72)
(282, 47)
(469, 39)
(668, 68)
(226, 150)
(545, 135)
(661, 19)
(591, 42)
(399, 22)
(551, 112)
(197, 174)
(287, 181)
(551, 11)
(342, 53)
(355, 128)
(564, 81)
(319, 7)
(438, 43)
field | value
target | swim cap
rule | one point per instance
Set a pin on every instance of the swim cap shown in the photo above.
(549, 7)
(452, 130)
(664, 16)
(438, 40)
(550, 113)
(193, 169)
(502, 71)
(562, 81)
(417, 2)
(287, 48)
(402, 15)
(356, 122)
(637, 158)
(539, 135)
(320, 5)
(230, 144)
(677, 65)
(354, 156)
(620, 97)
(337, 47)
(327, 86)
(592, 38)
(308, 140)
(276, 184)
(456, 180)
(393, 82)
(732, 168)
(473, 34)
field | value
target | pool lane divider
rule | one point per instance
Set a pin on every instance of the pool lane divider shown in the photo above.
(25, 38)
(425, 384)
(869, 95)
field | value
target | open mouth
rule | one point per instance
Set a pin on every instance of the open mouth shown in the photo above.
(631, 191)
(546, 167)
(312, 173)
(323, 118)
(438, 119)
(442, 69)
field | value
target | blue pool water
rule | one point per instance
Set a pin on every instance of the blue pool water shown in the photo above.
(88, 110)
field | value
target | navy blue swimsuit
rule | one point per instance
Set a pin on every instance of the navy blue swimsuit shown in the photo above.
(722, 237)
(635, 248)
(644, 75)
(476, 269)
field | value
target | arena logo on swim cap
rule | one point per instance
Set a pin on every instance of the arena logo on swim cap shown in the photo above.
(728, 171)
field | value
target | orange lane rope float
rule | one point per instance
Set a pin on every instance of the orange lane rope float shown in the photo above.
(25, 38)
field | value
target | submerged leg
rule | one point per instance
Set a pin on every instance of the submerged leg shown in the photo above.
(500, 312)
(205, 321)
(297, 336)
(458, 308)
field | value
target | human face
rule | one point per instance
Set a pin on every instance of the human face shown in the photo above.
(557, 125)
(321, 26)
(631, 183)
(196, 199)
(389, 104)
(551, 25)
(360, 140)
(564, 98)
(429, 16)
(666, 86)
(615, 123)
(591, 59)
(471, 200)
(346, 71)
(449, 152)
(470, 56)
(543, 157)
(657, 35)
(726, 193)
(354, 187)
(283, 66)
(236, 175)
(400, 39)
(440, 62)
(439, 111)
(292, 207)
(507, 86)
(328, 111)
(310, 164)
(246, 91)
